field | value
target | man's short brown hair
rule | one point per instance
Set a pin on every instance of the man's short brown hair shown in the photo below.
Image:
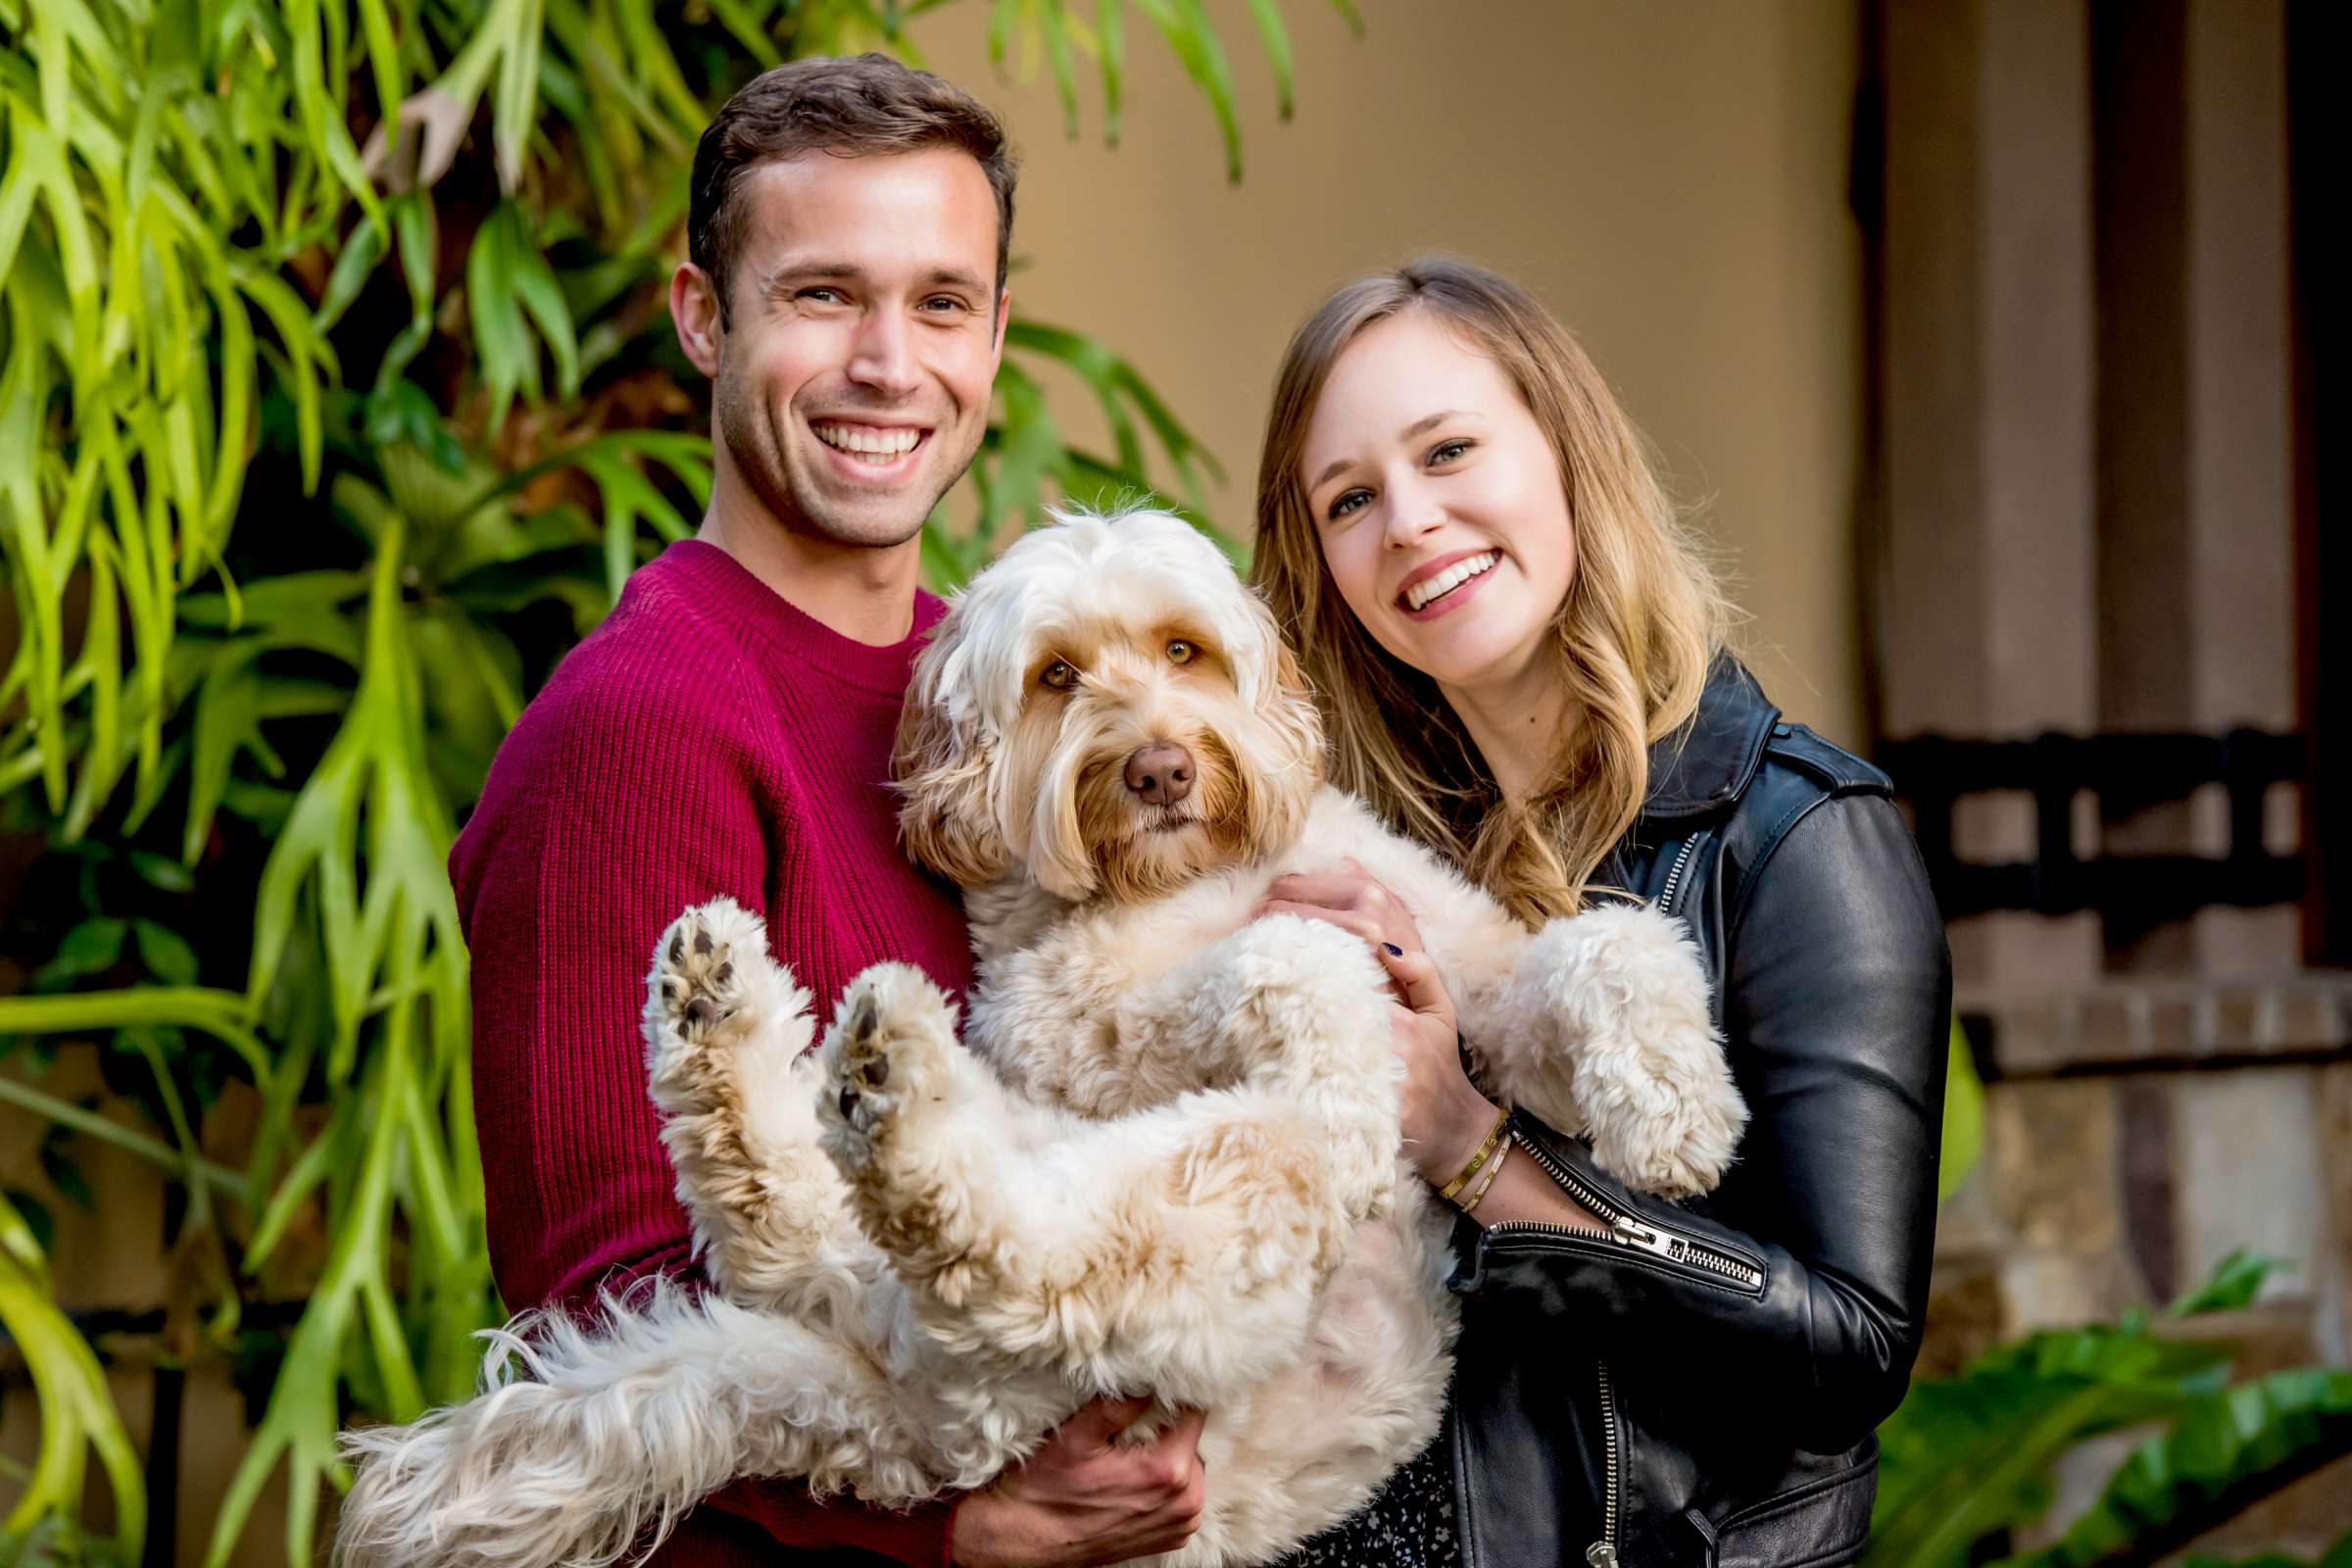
(862, 107)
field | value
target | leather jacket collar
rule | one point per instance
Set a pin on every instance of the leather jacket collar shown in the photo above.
(1707, 764)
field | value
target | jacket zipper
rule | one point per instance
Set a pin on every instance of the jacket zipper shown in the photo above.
(1603, 1554)
(1673, 874)
(1623, 1229)
(1626, 1231)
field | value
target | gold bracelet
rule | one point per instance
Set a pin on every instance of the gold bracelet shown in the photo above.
(1492, 1171)
(1478, 1161)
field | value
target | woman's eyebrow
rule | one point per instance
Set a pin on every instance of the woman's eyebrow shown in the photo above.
(1425, 424)
(1430, 422)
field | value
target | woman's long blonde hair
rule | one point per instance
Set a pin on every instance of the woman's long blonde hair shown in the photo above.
(1642, 620)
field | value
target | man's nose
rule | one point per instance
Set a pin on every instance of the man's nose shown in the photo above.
(1160, 774)
(882, 357)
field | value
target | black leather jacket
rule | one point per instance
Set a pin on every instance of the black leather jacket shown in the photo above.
(1701, 1389)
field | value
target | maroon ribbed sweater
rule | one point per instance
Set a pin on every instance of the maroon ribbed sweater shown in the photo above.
(708, 738)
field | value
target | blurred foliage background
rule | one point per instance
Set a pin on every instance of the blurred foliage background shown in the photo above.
(337, 398)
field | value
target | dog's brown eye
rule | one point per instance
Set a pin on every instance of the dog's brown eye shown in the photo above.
(1059, 675)
(1180, 652)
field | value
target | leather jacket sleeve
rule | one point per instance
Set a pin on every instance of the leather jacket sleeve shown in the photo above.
(1795, 1293)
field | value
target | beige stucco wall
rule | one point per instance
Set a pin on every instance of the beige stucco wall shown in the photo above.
(1669, 177)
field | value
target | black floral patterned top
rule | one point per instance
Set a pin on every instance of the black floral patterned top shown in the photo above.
(1409, 1524)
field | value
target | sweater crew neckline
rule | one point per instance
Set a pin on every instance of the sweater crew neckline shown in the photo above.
(727, 586)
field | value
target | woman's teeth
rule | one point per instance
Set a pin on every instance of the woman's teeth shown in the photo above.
(1444, 583)
(869, 443)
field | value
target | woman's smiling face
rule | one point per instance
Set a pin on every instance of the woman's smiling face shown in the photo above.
(1439, 502)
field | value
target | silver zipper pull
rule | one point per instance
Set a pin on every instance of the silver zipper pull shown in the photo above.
(1600, 1554)
(1630, 1234)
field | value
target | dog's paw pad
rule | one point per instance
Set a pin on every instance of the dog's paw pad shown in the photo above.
(699, 976)
(863, 1068)
(888, 1048)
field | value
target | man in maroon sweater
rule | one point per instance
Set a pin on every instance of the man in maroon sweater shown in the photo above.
(727, 730)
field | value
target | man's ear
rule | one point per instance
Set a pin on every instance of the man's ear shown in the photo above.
(1004, 318)
(694, 311)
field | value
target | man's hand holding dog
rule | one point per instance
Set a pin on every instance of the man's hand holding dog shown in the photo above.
(1086, 1498)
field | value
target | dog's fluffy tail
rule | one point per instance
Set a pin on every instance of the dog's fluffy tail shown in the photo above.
(589, 1442)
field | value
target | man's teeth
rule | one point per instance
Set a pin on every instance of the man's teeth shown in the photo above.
(1444, 583)
(880, 443)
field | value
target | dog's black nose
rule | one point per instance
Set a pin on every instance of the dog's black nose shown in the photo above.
(1160, 774)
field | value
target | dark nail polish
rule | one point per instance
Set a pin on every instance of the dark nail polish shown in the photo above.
(1393, 950)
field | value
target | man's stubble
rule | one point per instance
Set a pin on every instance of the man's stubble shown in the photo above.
(754, 433)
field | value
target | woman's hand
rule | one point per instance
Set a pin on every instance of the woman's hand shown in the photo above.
(1352, 901)
(1085, 1497)
(1443, 1115)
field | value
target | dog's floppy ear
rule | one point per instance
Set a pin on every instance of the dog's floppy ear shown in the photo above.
(1278, 799)
(943, 764)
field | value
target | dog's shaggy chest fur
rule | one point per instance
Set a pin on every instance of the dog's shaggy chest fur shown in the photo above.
(1168, 1161)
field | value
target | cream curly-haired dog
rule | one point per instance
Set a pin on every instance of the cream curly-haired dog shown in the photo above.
(1168, 1161)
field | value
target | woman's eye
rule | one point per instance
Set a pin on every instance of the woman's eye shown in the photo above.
(1059, 675)
(1180, 652)
(1448, 450)
(1348, 502)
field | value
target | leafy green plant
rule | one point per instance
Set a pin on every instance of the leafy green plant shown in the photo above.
(337, 399)
(2338, 1555)
(1968, 1460)
(77, 1414)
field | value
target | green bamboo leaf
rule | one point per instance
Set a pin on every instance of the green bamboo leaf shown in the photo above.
(746, 29)
(353, 267)
(1190, 34)
(1110, 32)
(512, 116)
(1054, 25)
(1275, 36)
(309, 356)
(99, 669)
(509, 362)
(78, 1412)
(534, 285)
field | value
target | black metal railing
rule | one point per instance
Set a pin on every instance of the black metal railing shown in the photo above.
(2127, 774)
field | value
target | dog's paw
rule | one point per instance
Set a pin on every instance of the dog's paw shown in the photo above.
(705, 972)
(889, 1050)
(1677, 1152)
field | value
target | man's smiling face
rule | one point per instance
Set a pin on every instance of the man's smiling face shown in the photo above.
(862, 338)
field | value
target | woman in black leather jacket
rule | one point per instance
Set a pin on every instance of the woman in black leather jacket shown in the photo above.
(1519, 658)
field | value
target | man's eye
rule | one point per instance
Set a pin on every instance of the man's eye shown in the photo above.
(1347, 502)
(822, 296)
(940, 305)
(1059, 675)
(1180, 652)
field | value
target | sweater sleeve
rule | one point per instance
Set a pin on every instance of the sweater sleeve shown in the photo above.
(615, 804)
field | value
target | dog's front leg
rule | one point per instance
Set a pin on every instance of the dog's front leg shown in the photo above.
(726, 1030)
(1603, 1029)
(1179, 1250)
